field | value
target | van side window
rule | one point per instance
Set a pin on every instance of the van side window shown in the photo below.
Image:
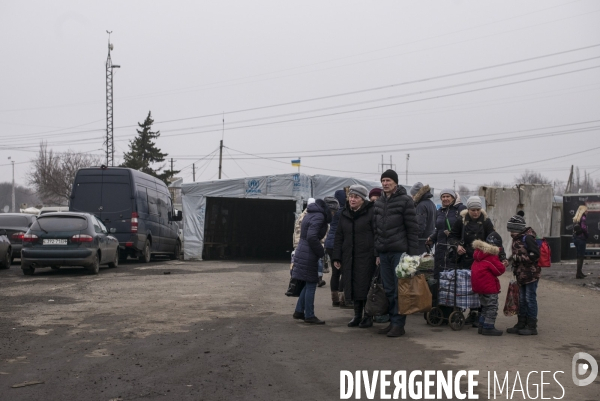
(142, 199)
(152, 201)
(163, 205)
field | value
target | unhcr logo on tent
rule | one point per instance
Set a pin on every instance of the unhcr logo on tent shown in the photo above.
(253, 187)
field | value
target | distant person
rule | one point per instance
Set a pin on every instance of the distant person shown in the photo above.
(425, 209)
(525, 256)
(334, 284)
(396, 232)
(580, 236)
(374, 194)
(474, 224)
(485, 271)
(354, 252)
(306, 258)
(333, 205)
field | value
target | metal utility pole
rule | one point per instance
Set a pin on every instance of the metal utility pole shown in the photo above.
(407, 157)
(221, 149)
(13, 185)
(110, 147)
(171, 164)
(194, 172)
(385, 166)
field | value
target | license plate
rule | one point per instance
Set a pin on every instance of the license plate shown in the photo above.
(54, 242)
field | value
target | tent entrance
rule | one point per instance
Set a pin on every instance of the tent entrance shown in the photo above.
(254, 228)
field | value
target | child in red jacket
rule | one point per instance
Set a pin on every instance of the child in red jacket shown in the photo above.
(484, 280)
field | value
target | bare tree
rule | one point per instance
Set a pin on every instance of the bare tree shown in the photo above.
(532, 177)
(52, 173)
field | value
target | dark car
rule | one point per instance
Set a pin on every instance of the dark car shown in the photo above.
(16, 225)
(68, 239)
(5, 250)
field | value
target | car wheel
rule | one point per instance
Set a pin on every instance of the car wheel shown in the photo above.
(145, 254)
(115, 262)
(94, 268)
(175, 255)
(5, 262)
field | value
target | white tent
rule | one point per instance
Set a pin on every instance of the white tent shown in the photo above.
(295, 187)
(291, 187)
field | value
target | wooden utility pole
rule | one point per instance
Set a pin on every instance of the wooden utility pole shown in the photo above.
(570, 182)
(221, 149)
(194, 172)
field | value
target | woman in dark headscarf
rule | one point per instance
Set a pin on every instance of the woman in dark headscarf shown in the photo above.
(354, 252)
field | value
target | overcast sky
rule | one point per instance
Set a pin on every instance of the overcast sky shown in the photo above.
(468, 88)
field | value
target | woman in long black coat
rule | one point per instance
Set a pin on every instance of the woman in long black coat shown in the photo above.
(354, 252)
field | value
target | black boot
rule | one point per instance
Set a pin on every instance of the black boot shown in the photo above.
(531, 327)
(358, 311)
(490, 330)
(519, 326)
(367, 320)
(580, 268)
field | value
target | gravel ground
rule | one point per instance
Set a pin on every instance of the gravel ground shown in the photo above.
(222, 330)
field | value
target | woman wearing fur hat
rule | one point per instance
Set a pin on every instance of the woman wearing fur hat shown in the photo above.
(425, 209)
(484, 279)
(354, 252)
(472, 225)
(525, 255)
(580, 236)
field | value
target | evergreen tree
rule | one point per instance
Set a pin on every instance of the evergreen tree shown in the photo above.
(143, 152)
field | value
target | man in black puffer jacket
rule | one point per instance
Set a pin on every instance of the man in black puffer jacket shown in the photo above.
(396, 231)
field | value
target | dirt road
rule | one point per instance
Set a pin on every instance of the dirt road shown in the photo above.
(177, 330)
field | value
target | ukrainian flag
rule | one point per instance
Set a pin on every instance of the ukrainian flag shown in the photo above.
(296, 163)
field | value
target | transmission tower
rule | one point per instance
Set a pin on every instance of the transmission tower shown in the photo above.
(110, 146)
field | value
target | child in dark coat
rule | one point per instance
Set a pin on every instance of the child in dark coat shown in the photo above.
(484, 279)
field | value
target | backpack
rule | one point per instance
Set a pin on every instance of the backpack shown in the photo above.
(545, 259)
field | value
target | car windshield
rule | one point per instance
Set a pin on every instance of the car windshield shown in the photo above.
(13, 221)
(60, 223)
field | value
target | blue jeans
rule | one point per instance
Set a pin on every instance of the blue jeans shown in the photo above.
(306, 301)
(387, 270)
(320, 267)
(528, 300)
(579, 246)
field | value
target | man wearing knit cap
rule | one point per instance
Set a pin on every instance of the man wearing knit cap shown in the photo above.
(426, 209)
(396, 232)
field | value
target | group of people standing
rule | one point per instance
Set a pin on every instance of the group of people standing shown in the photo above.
(369, 231)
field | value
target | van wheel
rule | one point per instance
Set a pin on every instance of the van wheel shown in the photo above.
(94, 268)
(145, 254)
(5, 263)
(177, 252)
(115, 262)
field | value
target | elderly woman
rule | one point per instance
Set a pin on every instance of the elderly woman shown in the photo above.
(306, 258)
(446, 216)
(353, 252)
(472, 225)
